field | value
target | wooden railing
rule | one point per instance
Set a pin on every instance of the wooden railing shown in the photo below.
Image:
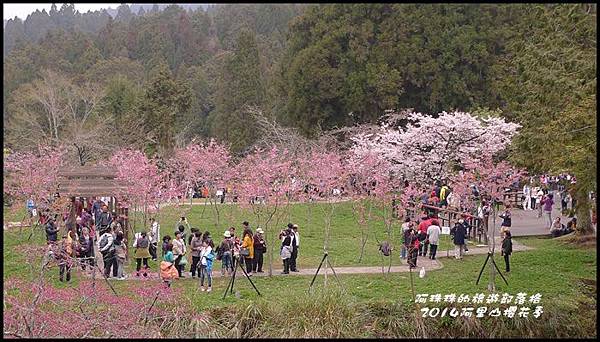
(513, 198)
(448, 217)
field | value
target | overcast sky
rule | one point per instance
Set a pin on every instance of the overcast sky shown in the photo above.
(22, 10)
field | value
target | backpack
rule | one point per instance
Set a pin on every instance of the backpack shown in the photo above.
(385, 248)
(103, 241)
(219, 253)
(104, 218)
(143, 243)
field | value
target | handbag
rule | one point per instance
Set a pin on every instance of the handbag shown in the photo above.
(245, 252)
(286, 252)
(183, 261)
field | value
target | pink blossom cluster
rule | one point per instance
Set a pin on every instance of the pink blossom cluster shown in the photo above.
(33, 174)
(268, 174)
(195, 164)
(88, 310)
(430, 146)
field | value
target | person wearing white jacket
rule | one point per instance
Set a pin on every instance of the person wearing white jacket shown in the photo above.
(527, 195)
(539, 195)
(179, 253)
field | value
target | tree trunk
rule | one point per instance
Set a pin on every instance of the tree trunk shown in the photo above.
(582, 210)
(492, 247)
(268, 241)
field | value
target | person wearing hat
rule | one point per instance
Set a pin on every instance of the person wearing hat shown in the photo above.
(295, 245)
(225, 250)
(260, 248)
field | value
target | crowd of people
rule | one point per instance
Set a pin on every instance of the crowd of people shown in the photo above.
(97, 227)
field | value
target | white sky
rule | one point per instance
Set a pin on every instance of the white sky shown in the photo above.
(22, 10)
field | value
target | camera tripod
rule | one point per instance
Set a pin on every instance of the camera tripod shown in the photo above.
(490, 256)
(325, 258)
(232, 281)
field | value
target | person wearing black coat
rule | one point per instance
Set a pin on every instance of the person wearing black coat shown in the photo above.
(458, 233)
(410, 239)
(507, 249)
(287, 241)
(51, 231)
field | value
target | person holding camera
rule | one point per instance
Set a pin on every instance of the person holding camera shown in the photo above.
(286, 249)
(260, 248)
(247, 249)
(295, 245)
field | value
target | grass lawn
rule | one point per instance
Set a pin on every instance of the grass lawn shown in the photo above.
(551, 268)
(345, 234)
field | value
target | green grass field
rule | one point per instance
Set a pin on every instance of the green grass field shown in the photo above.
(561, 273)
(345, 233)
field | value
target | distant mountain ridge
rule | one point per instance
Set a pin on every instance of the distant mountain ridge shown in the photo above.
(38, 23)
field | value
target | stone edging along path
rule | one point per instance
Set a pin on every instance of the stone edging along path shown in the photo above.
(430, 265)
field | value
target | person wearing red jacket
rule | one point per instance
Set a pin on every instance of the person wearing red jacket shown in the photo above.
(422, 235)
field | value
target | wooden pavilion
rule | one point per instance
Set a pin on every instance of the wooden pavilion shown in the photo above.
(84, 183)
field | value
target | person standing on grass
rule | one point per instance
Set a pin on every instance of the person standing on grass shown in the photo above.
(179, 253)
(226, 252)
(247, 250)
(65, 258)
(154, 236)
(192, 235)
(86, 245)
(206, 259)
(405, 226)
(195, 247)
(260, 248)
(433, 235)
(412, 245)
(507, 249)
(181, 225)
(286, 249)
(107, 249)
(422, 235)
(548, 202)
(458, 233)
(120, 255)
(51, 231)
(295, 246)
(104, 220)
(142, 254)
(235, 248)
(166, 240)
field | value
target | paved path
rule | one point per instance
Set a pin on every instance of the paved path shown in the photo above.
(429, 265)
(526, 222)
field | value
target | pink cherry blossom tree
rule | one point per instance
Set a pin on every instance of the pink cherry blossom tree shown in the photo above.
(491, 179)
(202, 163)
(147, 187)
(33, 174)
(325, 173)
(264, 181)
(369, 177)
(432, 147)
